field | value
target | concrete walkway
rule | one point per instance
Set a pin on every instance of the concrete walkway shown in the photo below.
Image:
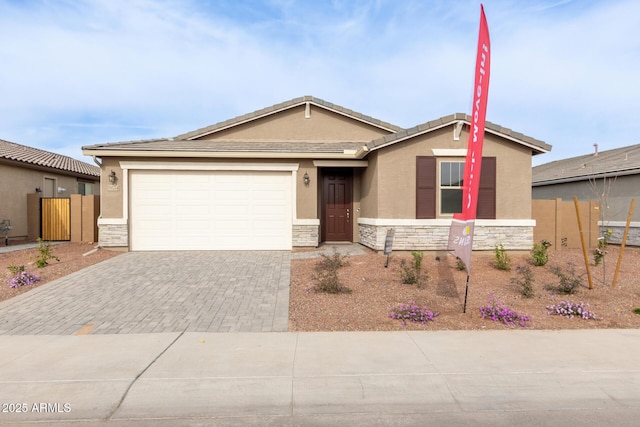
(143, 292)
(457, 378)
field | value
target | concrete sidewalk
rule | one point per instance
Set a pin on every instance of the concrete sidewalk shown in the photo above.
(512, 377)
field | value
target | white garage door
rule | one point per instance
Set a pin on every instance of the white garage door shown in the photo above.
(210, 210)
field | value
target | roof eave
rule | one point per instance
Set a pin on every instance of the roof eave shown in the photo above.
(348, 154)
(612, 174)
(34, 166)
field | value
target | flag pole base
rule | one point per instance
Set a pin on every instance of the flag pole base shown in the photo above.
(466, 291)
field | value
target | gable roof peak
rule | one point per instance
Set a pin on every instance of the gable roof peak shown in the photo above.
(538, 147)
(282, 106)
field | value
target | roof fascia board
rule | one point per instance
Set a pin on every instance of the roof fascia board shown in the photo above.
(341, 163)
(155, 165)
(586, 177)
(229, 155)
(539, 150)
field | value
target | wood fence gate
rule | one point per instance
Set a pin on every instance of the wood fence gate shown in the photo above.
(55, 218)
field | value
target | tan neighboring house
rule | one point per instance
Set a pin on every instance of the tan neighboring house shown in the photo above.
(308, 171)
(27, 170)
(614, 173)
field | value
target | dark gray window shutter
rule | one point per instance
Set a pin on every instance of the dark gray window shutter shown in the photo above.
(487, 194)
(426, 187)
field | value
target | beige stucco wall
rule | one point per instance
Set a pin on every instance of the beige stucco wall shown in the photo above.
(291, 125)
(396, 174)
(369, 188)
(15, 183)
(111, 194)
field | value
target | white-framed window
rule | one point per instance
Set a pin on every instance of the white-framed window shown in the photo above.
(451, 182)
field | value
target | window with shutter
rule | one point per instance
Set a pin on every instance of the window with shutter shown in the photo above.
(425, 187)
(450, 187)
(487, 193)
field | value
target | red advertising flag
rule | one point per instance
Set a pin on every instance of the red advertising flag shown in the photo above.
(461, 231)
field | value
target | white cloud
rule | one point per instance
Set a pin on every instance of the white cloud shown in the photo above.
(84, 72)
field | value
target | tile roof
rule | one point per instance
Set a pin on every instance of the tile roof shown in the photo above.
(37, 157)
(537, 145)
(619, 161)
(284, 106)
(221, 146)
(187, 142)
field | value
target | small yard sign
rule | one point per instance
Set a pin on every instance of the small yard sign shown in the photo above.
(388, 244)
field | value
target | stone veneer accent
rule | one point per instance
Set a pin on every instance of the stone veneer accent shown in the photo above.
(305, 235)
(113, 235)
(435, 237)
(633, 238)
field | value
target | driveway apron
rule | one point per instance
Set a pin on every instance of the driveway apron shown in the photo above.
(143, 292)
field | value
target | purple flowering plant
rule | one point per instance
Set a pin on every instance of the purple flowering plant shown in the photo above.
(412, 312)
(570, 309)
(23, 278)
(499, 312)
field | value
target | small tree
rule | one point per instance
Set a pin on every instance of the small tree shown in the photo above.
(602, 194)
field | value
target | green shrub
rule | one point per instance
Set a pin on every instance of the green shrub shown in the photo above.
(502, 260)
(44, 248)
(539, 253)
(569, 282)
(460, 265)
(636, 310)
(524, 281)
(326, 274)
(411, 273)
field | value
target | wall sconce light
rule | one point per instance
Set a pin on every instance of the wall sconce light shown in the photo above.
(38, 190)
(306, 179)
(112, 177)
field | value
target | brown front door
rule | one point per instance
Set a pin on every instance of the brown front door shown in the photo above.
(337, 205)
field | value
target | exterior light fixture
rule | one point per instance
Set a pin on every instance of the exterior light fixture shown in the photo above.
(112, 177)
(306, 179)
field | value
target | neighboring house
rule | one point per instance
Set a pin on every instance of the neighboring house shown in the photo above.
(305, 172)
(27, 170)
(614, 173)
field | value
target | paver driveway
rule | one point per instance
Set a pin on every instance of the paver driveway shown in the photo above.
(142, 292)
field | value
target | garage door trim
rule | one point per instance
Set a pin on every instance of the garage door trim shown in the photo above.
(128, 166)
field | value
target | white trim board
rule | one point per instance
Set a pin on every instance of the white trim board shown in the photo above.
(390, 222)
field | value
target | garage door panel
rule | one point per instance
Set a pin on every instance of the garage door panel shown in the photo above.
(207, 210)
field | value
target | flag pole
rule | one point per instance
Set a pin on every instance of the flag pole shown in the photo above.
(466, 291)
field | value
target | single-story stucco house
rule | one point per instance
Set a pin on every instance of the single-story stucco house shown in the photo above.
(611, 174)
(307, 171)
(27, 170)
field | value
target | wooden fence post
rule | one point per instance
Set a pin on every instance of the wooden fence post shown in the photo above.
(622, 244)
(584, 248)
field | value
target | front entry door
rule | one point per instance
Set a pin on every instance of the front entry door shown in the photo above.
(337, 204)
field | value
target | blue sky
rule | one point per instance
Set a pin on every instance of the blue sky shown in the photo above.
(80, 72)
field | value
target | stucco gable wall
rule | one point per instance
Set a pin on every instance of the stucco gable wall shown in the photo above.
(397, 173)
(291, 125)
